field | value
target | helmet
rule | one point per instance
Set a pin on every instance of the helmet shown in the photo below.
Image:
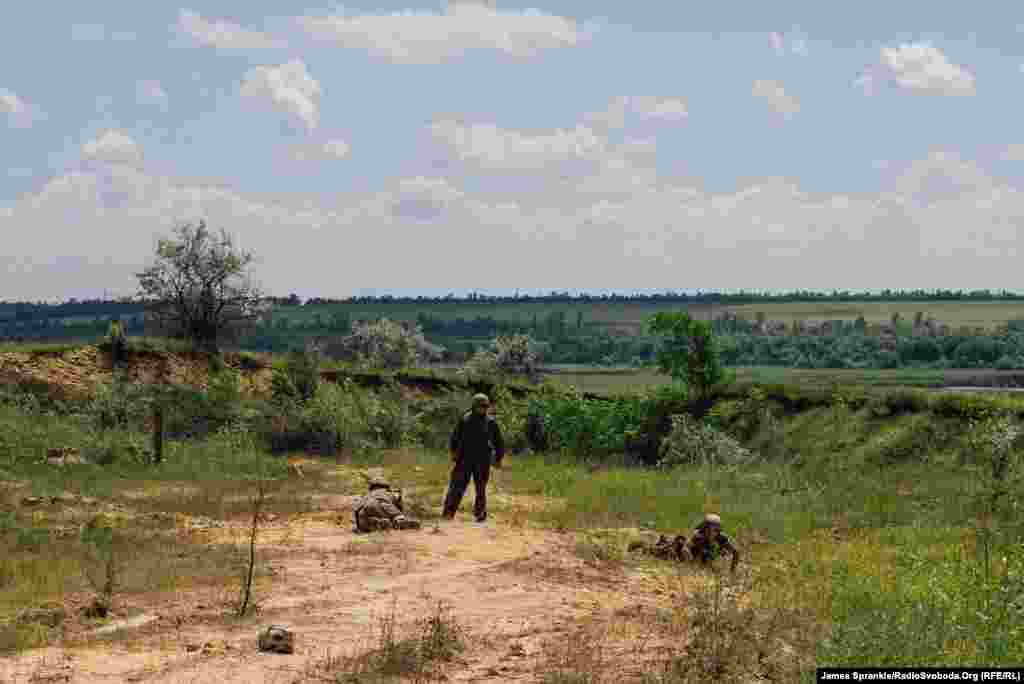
(379, 483)
(712, 519)
(480, 400)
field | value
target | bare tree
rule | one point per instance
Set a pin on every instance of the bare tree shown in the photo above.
(197, 289)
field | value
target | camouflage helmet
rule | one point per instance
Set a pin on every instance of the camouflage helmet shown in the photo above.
(378, 482)
(480, 400)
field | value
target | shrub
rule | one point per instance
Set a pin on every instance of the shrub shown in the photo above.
(384, 344)
(692, 442)
(117, 404)
(898, 402)
(436, 417)
(298, 377)
(224, 393)
(515, 355)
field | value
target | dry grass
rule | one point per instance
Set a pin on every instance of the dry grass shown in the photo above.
(416, 652)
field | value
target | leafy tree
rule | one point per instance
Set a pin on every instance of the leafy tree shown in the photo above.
(196, 289)
(689, 352)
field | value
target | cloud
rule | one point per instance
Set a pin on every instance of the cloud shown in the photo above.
(491, 147)
(777, 43)
(331, 149)
(112, 147)
(623, 227)
(287, 86)
(1014, 152)
(419, 37)
(920, 68)
(19, 114)
(783, 104)
(225, 35)
(645, 107)
(151, 92)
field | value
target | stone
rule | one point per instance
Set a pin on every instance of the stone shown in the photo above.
(277, 639)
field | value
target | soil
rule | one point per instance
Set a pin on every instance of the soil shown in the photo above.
(514, 591)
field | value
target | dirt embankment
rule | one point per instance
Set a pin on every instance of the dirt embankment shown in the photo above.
(76, 374)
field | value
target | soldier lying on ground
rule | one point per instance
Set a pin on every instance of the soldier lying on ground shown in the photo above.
(381, 509)
(664, 548)
(706, 544)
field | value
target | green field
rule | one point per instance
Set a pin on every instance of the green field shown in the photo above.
(631, 315)
(624, 380)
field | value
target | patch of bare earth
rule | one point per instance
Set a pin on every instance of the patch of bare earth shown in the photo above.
(517, 592)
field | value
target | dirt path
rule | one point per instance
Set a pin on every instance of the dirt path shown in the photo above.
(512, 589)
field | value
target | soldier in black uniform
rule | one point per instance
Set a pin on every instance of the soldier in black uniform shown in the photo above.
(475, 441)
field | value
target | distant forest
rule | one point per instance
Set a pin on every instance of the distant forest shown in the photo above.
(24, 311)
(571, 339)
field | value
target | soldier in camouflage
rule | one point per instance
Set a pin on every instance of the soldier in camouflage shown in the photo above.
(664, 548)
(708, 542)
(705, 545)
(381, 509)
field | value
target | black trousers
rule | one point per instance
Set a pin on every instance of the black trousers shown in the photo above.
(464, 470)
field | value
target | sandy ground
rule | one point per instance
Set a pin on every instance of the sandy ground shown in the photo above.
(514, 591)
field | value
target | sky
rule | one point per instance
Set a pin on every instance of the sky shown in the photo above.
(427, 148)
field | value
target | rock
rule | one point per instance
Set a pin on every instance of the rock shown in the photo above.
(62, 456)
(277, 639)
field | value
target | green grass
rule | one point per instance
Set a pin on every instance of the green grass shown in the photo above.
(862, 528)
(627, 380)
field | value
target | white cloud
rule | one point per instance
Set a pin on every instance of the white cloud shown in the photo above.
(112, 147)
(19, 113)
(777, 43)
(1014, 152)
(287, 86)
(645, 107)
(331, 149)
(492, 147)
(419, 37)
(635, 228)
(224, 35)
(151, 92)
(918, 67)
(783, 104)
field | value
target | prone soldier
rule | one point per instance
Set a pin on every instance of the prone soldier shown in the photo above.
(381, 509)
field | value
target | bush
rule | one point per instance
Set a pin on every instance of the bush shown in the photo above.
(224, 393)
(692, 442)
(515, 355)
(436, 418)
(117, 404)
(297, 378)
(898, 402)
(384, 344)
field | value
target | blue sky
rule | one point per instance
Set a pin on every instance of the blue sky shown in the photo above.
(410, 148)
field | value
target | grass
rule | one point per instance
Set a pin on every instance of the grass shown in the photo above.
(864, 531)
(414, 652)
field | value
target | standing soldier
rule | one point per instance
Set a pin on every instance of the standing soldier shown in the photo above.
(708, 541)
(475, 440)
(117, 342)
